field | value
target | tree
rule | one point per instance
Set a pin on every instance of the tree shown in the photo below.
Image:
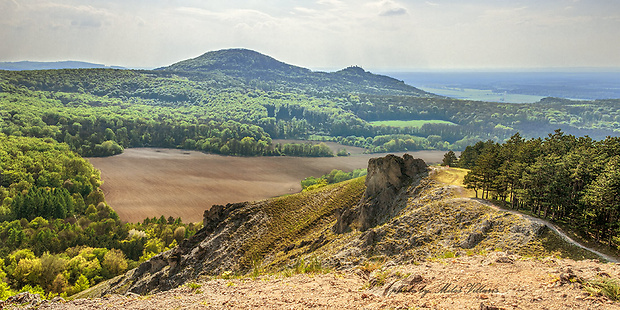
(604, 197)
(114, 263)
(81, 284)
(179, 234)
(449, 159)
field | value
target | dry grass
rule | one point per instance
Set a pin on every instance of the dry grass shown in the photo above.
(453, 176)
(301, 219)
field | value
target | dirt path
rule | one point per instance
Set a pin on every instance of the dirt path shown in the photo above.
(551, 226)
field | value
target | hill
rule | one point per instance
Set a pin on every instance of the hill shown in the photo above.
(396, 216)
(264, 71)
(41, 65)
(215, 101)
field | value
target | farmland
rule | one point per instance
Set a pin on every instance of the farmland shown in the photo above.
(147, 182)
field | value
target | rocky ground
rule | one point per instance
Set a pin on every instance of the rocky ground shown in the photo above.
(492, 281)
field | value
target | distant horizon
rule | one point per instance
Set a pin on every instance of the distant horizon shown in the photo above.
(373, 70)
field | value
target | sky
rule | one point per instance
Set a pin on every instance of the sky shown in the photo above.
(318, 34)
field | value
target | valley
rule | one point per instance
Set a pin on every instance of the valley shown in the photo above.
(147, 182)
(193, 171)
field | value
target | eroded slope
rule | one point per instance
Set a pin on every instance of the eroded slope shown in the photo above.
(396, 215)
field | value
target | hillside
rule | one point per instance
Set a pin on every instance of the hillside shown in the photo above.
(397, 238)
(395, 217)
(268, 73)
(494, 282)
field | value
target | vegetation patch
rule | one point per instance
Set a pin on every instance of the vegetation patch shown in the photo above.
(550, 244)
(561, 178)
(335, 176)
(297, 219)
(607, 287)
(410, 123)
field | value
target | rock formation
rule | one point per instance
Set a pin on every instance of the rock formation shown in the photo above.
(387, 176)
(397, 214)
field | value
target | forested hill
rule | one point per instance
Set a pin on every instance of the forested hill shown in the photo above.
(267, 73)
(235, 102)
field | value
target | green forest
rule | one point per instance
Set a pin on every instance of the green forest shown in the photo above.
(58, 235)
(211, 104)
(568, 179)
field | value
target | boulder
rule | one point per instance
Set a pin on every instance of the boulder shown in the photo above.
(387, 176)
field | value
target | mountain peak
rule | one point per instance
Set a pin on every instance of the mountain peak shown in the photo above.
(353, 70)
(255, 68)
(235, 59)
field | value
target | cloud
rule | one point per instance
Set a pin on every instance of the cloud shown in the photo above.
(57, 15)
(330, 2)
(394, 12)
(307, 11)
(388, 8)
(319, 33)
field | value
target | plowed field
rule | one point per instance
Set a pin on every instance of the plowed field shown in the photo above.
(147, 182)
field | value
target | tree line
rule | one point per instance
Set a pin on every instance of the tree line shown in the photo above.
(561, 177)
(160, 108)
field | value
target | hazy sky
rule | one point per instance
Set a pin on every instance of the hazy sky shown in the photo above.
(319, 34)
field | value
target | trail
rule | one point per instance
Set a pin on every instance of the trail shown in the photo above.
(460, 191)
(552, 227)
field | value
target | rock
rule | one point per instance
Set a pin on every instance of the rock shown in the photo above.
(488, 307)
(504, 260)
(387, 176)
(25, 300)
(369, 237)
(568, 276)
(472, 240)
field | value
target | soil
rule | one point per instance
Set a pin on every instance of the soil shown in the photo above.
(148, 182)
(494, 281)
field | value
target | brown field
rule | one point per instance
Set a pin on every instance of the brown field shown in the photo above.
(147, 182)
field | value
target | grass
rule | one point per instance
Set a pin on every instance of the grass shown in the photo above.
(417, 123)
(453, 176)
(604, 286)
(548, 243)
(312, 265)
(194, 287)
(585, 239)
(299, 219)
(371, 265)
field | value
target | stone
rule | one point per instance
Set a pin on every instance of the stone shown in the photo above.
(387, 176)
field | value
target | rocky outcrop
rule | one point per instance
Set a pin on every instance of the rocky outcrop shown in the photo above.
(213, 249)
(435, 224)
(397, 214)
(387, 177)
